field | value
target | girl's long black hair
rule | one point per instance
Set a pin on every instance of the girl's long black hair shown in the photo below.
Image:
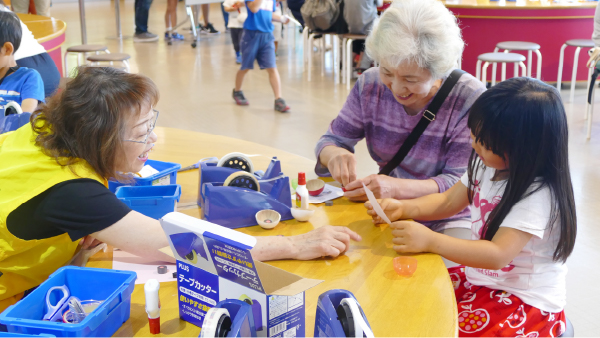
(523, 120)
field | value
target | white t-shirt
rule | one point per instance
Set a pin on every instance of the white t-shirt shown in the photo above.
(236, 18)
(29, 45)
(532, 276)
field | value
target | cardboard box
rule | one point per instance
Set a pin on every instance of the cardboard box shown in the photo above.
(214, 263)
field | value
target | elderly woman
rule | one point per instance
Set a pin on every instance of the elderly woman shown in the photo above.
(53, 179)
(417, 44)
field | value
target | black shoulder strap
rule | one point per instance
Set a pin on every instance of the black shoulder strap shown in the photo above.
(428, 117)
(8, 72)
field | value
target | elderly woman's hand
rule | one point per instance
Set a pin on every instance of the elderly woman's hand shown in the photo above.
(392, 208)
(341, 164)
(328, 241)
(382, 186)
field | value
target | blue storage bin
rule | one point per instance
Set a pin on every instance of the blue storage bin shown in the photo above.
(152, 201)
(164, 169)
(114, 287)
(19, 335)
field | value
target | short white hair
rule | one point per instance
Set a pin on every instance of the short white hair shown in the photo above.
(424, 31)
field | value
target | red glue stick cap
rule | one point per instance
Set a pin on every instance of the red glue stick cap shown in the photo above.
(301, 178)
(154, 325)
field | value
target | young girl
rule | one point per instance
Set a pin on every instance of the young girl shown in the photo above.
(523, 215)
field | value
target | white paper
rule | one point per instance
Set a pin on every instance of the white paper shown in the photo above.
(376, 205)
(145, 268)
(329, 193)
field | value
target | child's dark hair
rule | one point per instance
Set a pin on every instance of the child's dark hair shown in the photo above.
(10, 29)
(523, 121)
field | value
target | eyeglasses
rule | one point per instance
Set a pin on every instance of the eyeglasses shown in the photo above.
(151, 125)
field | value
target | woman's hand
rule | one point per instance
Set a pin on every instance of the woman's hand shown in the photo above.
(392, 208)
(594, 57)
(411, 237)
(329, 241)
(341, 164)
(382, 186)
(89, 242)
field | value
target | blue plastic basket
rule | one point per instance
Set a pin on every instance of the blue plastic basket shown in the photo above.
(19, 335)
(114, 287)
(164, 169)
(152, 201)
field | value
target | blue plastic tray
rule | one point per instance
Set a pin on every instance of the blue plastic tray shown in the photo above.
(164, 169)
(112, 286)
(152, 201)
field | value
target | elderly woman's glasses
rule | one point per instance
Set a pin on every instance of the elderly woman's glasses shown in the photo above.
(151, 125)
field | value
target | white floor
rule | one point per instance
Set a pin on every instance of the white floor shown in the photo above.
(196, 89)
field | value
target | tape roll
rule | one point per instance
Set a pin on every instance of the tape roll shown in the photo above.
(246, 299)
(242, 179)
(350, 312)
(192, 257)
(217, 323)
(236, 161)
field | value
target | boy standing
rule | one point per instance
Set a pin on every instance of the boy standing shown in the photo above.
(19, 84)
(258, 43)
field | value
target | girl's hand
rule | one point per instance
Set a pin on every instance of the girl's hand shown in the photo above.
(393, 210)
(411, 237)
(382, 186)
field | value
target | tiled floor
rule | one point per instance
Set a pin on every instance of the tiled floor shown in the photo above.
(196, 89)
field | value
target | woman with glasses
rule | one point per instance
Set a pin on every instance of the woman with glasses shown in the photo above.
(53, 184)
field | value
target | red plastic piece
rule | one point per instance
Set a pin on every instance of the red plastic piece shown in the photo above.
(405, 266)
(154, 325)
(301, 179)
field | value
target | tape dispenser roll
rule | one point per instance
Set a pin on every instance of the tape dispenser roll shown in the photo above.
(242, 179)
(353, 320)
(217, 323)
(236, 161)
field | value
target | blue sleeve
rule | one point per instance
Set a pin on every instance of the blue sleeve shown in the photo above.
(33, 86)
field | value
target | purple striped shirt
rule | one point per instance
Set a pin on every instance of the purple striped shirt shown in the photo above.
(442, 152)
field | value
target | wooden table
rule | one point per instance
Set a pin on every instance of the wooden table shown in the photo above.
(423, 305)
(49, 32)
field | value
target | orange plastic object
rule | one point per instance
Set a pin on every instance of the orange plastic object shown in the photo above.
(405, 266)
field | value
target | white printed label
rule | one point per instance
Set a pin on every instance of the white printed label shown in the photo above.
(277, 306)
(295, 301)
(165, 180)
(277, 328)
(290, 333)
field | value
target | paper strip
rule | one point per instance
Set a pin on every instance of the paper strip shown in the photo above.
(376, 205)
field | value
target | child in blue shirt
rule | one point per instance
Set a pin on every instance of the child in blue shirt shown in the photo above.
(19, 84)
(258, 43)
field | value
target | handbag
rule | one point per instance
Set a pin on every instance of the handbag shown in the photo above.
(13, 117)
(426, 119)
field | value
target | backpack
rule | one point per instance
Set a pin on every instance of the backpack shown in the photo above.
(320, 14)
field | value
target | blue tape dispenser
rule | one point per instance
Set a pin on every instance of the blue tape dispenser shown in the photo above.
(229, 318)
(340, 315)
(231, 192)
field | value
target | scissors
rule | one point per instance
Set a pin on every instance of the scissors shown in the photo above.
(55, 311)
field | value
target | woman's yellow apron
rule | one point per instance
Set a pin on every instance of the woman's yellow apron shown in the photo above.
(25, 172)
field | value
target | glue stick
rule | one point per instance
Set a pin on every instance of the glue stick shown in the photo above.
(301, 192)
(153, 305)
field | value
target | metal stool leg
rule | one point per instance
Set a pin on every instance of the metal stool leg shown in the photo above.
(574, 75)
(523, 69)
(304, 48)
(126, 63)
(529, 56)
(590, 72)
(323, 45)
(478, 70)
(484, 73)
(560, 67)
(335, 53)
(591, 113)
(538, 72)
(343, 48)
(516, 69)
(311, 37)
(66, 69)
(348, 63)
(494, 74)
(503, 77)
